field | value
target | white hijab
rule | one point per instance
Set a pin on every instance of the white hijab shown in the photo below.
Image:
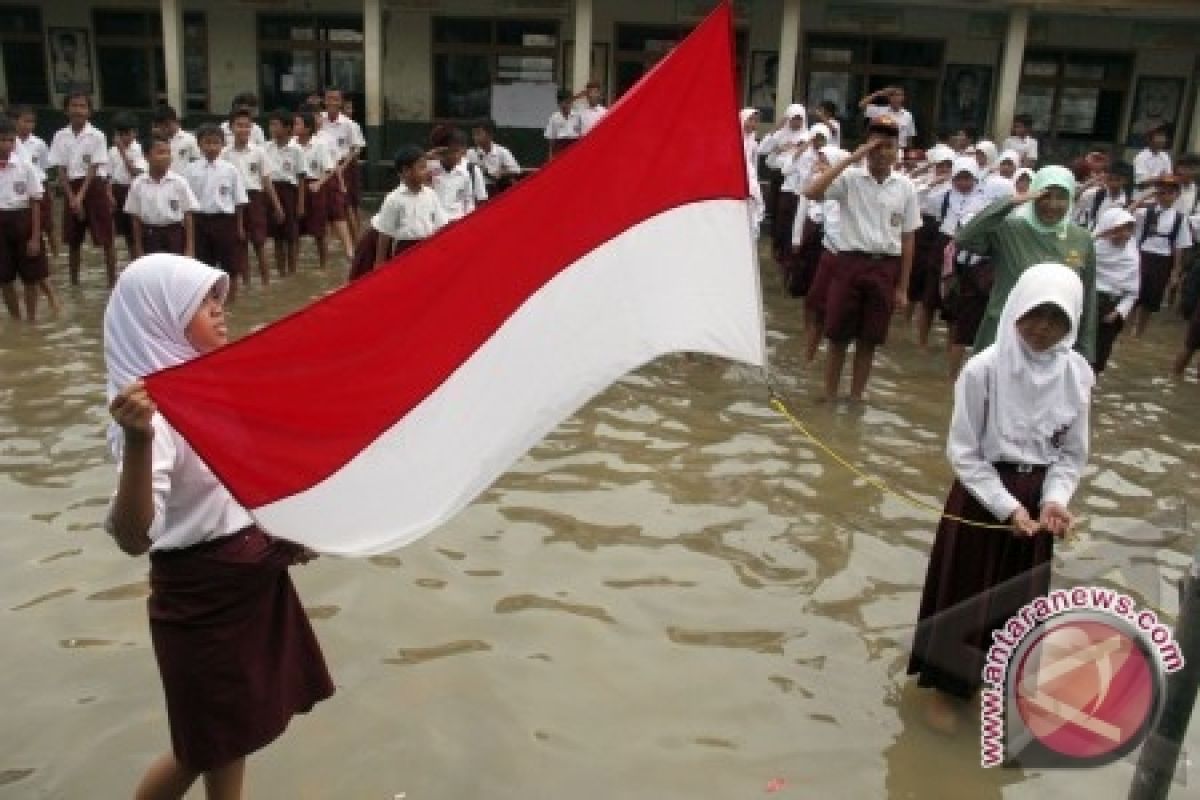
(989, 153)
(147, 315)
(749, 139)
(1119, 265)
(1037, 394)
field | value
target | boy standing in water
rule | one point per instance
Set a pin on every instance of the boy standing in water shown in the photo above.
(127, 162)
(219, 220)
(20, 225)
(317, 165)
(263, 204)
(184, 149)
(345, 137)
(31, 146)
(160, 206)
(80, 152)
(285, 171)
(878, 220)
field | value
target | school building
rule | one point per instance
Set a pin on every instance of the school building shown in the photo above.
(1092, 73)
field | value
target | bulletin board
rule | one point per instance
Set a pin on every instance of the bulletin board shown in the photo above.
(523, 105)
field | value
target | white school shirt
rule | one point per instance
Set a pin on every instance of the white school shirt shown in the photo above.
(1188, 204)
(960, 209)
(256, 134)
(77, 152)
(583, 119)
(341, 134)
(773, 143)
(407, 215)
(120, 172)
(1148, 165)
(995, 187)
(559, 127)
(160, 201)
(190, 504)
(1087, 200)
(318, 160)
(974, 445)
(218, 186)
(455, 190)
(903, 117)
(930, 195)
(835, 132)
(1158, 241)
(284, 164)
(1026, 147)
(251, 163)
(1118, 272)
(184, 150)
(831, 217)
(873, 215)
(19, 183)
(35, 151)
(497, 158)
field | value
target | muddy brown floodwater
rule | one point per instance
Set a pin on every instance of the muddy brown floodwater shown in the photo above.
(673, 596)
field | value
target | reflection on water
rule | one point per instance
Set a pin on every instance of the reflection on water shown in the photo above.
(674, 595)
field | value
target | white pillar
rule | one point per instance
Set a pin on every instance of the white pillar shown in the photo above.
(373, 61)
(581, 68)
(1010, 72)
(1193, 145)
(789, 52)
(172, 30)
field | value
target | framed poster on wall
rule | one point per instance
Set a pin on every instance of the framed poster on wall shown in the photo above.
(70, 59)
(1156, 104)
(764, 77)
(966, 97)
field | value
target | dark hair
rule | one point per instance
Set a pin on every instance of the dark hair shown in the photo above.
(1189, 160)
(484, 125)
(440, 135)
(238, 113)
(829, 106)
(1165, 130)
(1048, 309)
(1024, 119)
(18, 111)
(457, 138)
(283, 115)
(74, 93)
(564, 94)
(306, 117)
(1122, 169)
(7, 126)
(158, 139)
(244, 99)
(408, 155)
(164, 114)
(208, 129)
(124, 121)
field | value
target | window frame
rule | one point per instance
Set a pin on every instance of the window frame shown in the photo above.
(37, 37)
(147, 43)
(320, 47)
(680, 30)
(1060, 84)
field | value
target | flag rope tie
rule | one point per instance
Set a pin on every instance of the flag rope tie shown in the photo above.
(779, 405)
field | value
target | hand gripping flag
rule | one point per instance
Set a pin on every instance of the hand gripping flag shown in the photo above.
(364, 421)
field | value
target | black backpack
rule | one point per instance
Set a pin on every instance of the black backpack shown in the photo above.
(1151, 228)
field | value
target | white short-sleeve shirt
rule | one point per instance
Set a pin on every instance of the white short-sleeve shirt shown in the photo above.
(77, 152)
(250, 162)
(874, 216)
(586, 117)
(1159, 239)
(19, 184)
(497, 158)
(903, 117)
(1026, 147)
(160, 201)
(36, 151)
(341, 133)
(256, 133)
(184, 150)
(318, 159)
(455, 190)
(559, 127)
(406, 214)
(118, 166)
(218, 186)
(285, 164)
(1148, 165)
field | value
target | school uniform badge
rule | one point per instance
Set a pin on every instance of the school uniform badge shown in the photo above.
(896, 219)
(224, 190)
(254, 169)
(1074, 259)
(87, 160)
(174, 204)
(19, 187)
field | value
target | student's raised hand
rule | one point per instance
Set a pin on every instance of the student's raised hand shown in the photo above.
(1056, 519)
(1027, 197)
(133, 409)
(1022, 524)
(865, 148)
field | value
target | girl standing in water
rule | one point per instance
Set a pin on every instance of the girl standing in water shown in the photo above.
(235, 650)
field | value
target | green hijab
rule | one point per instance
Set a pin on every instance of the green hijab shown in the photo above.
(1044, 178)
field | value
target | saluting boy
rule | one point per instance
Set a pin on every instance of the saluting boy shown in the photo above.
(1102, 191)
(285, 170)
(80, 152)
(878, 219)
(585, 118)
(457, 183)
(318, 165)
(160, 206)
(126, 163)
(184, 149)
(263, 204)
(31, 146)
(219, 219)
(21, 252)
(499, 166)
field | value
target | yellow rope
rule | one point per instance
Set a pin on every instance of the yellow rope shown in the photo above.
(778, 404)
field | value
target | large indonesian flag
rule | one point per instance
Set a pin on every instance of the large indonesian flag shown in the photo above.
(369, 418)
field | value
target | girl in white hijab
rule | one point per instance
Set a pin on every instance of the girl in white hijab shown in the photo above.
(1018, 443)
(1118, 278)
(749, 118)
(235, 650)
(992, 184)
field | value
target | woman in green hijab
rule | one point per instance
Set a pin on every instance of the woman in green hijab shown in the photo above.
(1034, 228)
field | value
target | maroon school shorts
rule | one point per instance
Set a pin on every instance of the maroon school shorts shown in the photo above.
(164, 239)
(47, 209)
(15, 227)
(818, 290)
(1156, 272)
(364, 254)
(121, 222)
(97, 215)
(560, 146)
(316, 216)
(974, 294)
(256, 213)
(354, 184)
(289, 196)
(335, 200)
(861, 297)
(217, 242)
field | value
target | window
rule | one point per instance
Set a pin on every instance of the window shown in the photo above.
(302, 54)
(23, 55)
(133, 72)
(1074, 94)
(470, 55)
(639, 47)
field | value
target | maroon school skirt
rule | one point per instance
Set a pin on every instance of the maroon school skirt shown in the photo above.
(970, 305)
(782, 221)
(316, 213)
(235, 650)
(164, 239)
(860, 298)
(1156, 272)
(1106, 332)
(257, 211)
(977, 578)
(289, 198)
(16, 225)
(364, 253)
(121, 223)
(930, 263)
(802, 264)
(97, 215)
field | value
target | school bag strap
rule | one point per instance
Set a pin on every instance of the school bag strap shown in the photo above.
(1151, 228)
(1098, 201)
(945, 208)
